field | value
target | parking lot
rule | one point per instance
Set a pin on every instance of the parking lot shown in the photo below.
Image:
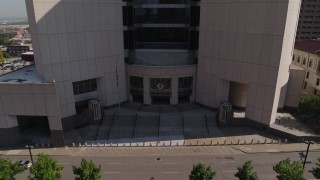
(12, 64)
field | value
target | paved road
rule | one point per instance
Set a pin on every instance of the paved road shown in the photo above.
(178, 167)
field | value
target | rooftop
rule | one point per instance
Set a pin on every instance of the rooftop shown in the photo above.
(310, 46)
(27, 75)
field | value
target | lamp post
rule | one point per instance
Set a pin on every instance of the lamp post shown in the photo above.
(29, 147)
(305, 159)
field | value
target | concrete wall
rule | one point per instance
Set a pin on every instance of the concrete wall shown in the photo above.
(79, 40)
(28, 100)
(295, 84)
(250, 43)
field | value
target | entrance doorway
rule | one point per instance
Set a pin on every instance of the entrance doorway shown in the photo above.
(34, 128)
(185, 89)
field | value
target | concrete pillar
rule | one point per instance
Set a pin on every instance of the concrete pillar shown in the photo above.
(57, 136)
(9, 130)
(174, 91)
(146, 90)
(194, 88)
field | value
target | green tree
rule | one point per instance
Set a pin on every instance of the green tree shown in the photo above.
(310, 105)
(8, 169)
(87, 171)
(6, 55)
(316, 171)
(245, 172)
(2, 59)
(45, 168)
(288, 170)
(201, 172)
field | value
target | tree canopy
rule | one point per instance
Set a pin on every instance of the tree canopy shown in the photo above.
(310, 105)
(316, 171)
(289, 170)
(8, 169)
(87, 171)
(201, 172)
(245, 172)
(45, 168)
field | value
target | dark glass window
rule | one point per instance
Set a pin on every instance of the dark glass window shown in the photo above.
(127, 15)
(128, 39)
(161, 38)
(195, 16)
(185, 82)
(307, 76)
(86, 86)
(136, 82)
(161, 15)
(194, 40)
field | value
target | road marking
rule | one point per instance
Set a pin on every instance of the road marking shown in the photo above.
(111, 172)
(170, 172)
(114, 163)
(228, 161)
(170, 163)
(231, 171)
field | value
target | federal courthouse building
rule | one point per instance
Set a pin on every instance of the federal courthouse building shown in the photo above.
(150, 51)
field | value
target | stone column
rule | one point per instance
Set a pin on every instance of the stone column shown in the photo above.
(56, 130)
(174, 91)
(146, 90)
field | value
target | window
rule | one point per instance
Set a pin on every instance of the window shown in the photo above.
(315, 92)
(86, 86)
(304, 62)
(307, 76)
(310, 63)
(318, 82)
(293, 57)
(136, 82)
(298, 59)
(305, 85)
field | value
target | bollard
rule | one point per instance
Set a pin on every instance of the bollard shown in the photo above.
(184, 143)
(79, 144)
(252, 141)
(105, 144)
(73, 145)
(197, 143)
(86, 144)
(245, 142)
(265, 141)
(238, 141)
(150, 144)
(225, 142)
(130, 144)
(143, 143)
(170, 143)
(91, 144)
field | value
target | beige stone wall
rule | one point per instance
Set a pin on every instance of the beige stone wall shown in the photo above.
(250, 43)
(28, 100)
(310, 63)
(295, 83)
(78, 40)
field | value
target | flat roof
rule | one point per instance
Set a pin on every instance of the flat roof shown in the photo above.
(311, 46)
(26, 75)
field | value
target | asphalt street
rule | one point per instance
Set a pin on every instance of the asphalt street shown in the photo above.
(178, 167)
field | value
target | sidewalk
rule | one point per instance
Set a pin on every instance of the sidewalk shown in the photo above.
(165, 151)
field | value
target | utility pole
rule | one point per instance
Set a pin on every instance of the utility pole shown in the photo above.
(29, 147)
(305, 158)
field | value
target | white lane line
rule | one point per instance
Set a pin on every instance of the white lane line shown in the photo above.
(111, 172)
(228, 161)
(170, 172)
(231, 171)
(114, 163)
(170, 163)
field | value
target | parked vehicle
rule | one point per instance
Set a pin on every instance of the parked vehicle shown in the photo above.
(26, 164)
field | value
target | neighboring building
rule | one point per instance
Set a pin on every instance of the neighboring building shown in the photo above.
(18, 50)
(28, 56)
(306, 56)
(152, 52)
(309, 20)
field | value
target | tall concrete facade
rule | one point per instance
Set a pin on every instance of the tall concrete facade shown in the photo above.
(154, 52)
(249, 43)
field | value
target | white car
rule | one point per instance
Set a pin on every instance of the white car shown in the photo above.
(26, 164)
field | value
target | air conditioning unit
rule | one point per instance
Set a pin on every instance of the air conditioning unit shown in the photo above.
(225, 110)
(95, 107)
